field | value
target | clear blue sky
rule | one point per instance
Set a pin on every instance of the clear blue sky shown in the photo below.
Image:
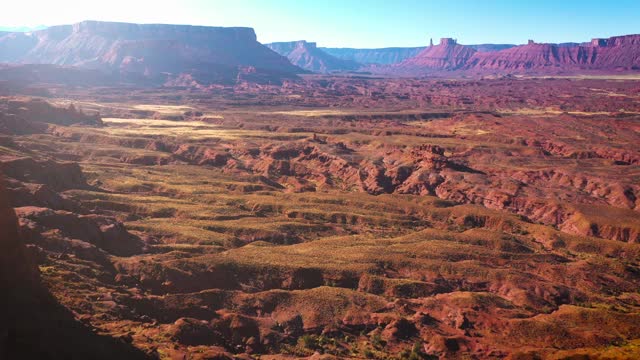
(357, 23)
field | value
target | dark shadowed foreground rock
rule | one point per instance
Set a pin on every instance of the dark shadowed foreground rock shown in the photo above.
(32, 324)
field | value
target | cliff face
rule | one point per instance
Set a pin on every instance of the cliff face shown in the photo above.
(620, 52)
(448, 55)
(150, 50)
(19, 275)
(33, 325)
(394, 55)
(531, 56)
(612, 54)
(307, 56)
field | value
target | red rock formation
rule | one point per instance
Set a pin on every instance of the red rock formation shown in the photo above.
(615, 53)
(620, 52)
(147, 50)
(448, 55)
(103, 232)
(307, 56)
(19, 116)
(57, 175)
(32, 324)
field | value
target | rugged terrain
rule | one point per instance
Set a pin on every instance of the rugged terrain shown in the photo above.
(329, 217)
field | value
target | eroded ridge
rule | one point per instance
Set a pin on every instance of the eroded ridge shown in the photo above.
(363, 218)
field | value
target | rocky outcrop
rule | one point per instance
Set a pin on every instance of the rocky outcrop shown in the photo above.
(448, 55)
(40, 111)
(103, 232)
(307, 56)
(31, 320)
(534, 56)
(20, 116)
(612, 54)
(17, 269)
(57, 175)
(394, 55)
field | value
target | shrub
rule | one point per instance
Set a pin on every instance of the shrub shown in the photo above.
(308, 341)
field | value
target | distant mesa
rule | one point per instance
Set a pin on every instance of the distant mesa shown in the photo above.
(618, 53)
(309, 57)
(105, 53)
(395, 55)
(615, 53)
(153, 51)
(448, 41)
(447, 55)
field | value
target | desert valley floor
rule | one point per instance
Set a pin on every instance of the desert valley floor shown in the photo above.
(339, 217)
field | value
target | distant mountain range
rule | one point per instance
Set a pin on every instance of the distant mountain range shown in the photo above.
(183, 55)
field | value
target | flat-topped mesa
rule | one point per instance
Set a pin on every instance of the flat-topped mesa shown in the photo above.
(448, 55)
(310, 45)
(448, 41)
(131, 31)
(306, 55)
(285, 48)
(601, 54)
(624, 40)
(155, 52)
(618, 53)
(628, 40)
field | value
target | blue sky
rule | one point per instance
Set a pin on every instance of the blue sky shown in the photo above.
(358, 23)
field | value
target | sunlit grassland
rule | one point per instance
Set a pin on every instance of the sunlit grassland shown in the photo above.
(194, 130)
(190, 204)
(274, 212)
